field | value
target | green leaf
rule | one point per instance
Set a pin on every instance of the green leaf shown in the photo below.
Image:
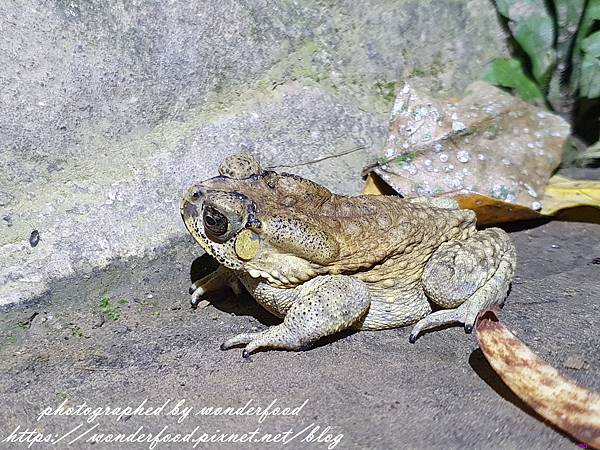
(568, 17)
(535, 35)
(509, 73)
(589, 83)
(503, 6)
(568, 14)
(533, 28)
(591, 44)
(109, 309)
(590, 15)
(591, 153)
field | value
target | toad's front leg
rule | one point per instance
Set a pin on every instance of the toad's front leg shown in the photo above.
(325, 305)
(215, 281)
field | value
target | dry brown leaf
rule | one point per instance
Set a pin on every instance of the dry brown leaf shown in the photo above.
(488, 142)
(491, 151)
(490, 210)
(561, 193)
(568, 405)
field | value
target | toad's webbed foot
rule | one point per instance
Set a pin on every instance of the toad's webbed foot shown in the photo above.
(326, 305)
(469, 276)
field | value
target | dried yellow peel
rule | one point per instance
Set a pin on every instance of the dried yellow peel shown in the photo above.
(562, 401)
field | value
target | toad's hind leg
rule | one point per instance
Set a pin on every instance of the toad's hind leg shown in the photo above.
(325, 305)
(469, 276)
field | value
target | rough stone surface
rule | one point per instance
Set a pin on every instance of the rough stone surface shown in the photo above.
(133, 208)
(108, 109)
(375, 388)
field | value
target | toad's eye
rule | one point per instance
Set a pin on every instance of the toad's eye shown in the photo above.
(215, 223)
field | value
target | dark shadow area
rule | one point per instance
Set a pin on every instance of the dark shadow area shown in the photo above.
(586, 214)
(521, 225)
(244, 305)
(585, 124)
(334, 338)
(202, 266)
(582, 214)
(484, 370)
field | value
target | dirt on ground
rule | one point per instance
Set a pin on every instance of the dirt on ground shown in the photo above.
(127, 337)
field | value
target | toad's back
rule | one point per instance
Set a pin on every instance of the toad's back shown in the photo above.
(379, 234)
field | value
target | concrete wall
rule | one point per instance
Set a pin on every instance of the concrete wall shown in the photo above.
(108, 109)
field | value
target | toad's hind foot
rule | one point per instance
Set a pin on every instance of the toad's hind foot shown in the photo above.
(326, 305)
(470, 275)
(437, 319)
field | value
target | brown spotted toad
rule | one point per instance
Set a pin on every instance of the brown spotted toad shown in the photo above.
(327, 262)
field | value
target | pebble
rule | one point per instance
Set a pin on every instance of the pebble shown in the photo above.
(458, 126)
(574, 361)
(34, 238)
(99, 320)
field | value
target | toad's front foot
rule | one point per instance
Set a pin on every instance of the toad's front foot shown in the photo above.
(326, 305)
(215, 281)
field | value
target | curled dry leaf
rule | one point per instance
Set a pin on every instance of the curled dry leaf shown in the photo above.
(571, 407)
(491, 150)
(560, 196)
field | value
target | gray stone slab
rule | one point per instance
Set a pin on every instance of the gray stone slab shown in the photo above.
(127, 205)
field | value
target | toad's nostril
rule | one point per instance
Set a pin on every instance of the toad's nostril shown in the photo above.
(190, 210)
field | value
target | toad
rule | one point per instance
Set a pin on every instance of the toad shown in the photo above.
(327, 263)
